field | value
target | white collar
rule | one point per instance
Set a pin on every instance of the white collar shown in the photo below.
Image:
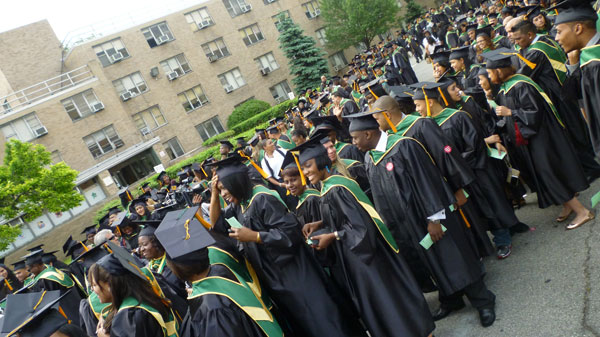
(382, 143)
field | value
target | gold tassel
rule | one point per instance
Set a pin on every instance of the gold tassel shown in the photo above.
(389, 121)
(258, 168)
(443, 97)
(299, 170)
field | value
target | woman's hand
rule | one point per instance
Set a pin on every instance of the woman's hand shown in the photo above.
(197, 199)
(493, 139)
(214, 184)
(324, 240)
(435, 230)
(100, 332)
(503, 111)
(500, 147)
(310, 227)
(244, 234)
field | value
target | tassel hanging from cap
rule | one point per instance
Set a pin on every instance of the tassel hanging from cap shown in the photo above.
(372, 93)
(443, 96)
(389, 121)
(426, 101)
(302, 178)
(526, 61)
(258, 168)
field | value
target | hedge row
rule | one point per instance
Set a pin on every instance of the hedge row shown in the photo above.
(244, 129)
(214, 139)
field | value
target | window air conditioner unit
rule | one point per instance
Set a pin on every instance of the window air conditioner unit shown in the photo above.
(228, 88)
(172, 75)
(97, 106)
(40, 131)
(310, 15)
(212, 58)
(280, 99)
(246, 8)
(317, 12)
(126, 96)
(336, 68)
(116, 57)
(265, 71)
(203, 24)
(145, 131)
(162, 39)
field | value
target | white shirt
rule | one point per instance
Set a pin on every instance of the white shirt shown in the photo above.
(275, 163)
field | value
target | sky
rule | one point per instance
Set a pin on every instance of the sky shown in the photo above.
(70, 15)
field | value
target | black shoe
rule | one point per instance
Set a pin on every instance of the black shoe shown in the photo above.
(487, 317)
(444, 312)
(502, 252)
(518, 228)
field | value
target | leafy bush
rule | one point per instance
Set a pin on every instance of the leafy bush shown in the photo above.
(264, 116)
(246, 110)
(214, 139)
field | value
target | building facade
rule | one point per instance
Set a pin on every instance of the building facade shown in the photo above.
(114, 107)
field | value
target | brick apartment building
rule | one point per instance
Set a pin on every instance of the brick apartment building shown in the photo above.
(115, 106)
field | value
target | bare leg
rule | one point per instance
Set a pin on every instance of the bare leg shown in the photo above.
(583, 215)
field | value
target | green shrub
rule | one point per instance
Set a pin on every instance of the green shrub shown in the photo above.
(214, 139)
(246, 110)
(275, 111)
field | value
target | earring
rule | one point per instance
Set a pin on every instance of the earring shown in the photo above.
(327, 168)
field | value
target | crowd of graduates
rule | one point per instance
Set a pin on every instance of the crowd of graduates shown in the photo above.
(375, 189)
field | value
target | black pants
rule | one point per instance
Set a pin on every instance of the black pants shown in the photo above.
(477, 293)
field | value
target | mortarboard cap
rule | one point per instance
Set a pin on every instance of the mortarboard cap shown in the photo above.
(89, 230)
(144, 185)
(253, 141)
(426, 90)
(49, 257)
(499, 58)
(374, 88)
(33, 257)
(273, 130)
(125, 196)
(121, 221)
(182, 235)
(33, 314)
(272, 121)
(19, 265)
(326, 123)
(461, 52)
(120, 261)
(161, 175)
(35, 248)
(533, 12)
(311, 114)
(229, 166)
(472, 27)
(363, 121)
(240, 141)
(484, 31)
(226, 143)
(440, 56)
(74, 248)
(91, 256)
(311, 148)
(149, 227)
(574, 10)
(401, 93)
(339, 92)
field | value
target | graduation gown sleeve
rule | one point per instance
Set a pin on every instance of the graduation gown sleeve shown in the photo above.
(135, 322)
(590, 84)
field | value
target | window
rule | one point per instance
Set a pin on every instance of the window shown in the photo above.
(215, 49)
(56, 157)
(111, 52)
(321, 36)
(103, 141)
(237, 7)
(251, 34)
(176, 64)
(149, 119)
(210, 128)
(311, 9)
(338, 59)
(280, 91)
(158, 34)
(199, 19)
(6, 106)
(24, 129)
(173, 148)
(133, 83)
(232, 80)
(267, 61)
(193, 99)
(276, 19)
(83, 104)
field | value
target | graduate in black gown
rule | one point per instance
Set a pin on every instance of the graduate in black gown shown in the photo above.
(464, 69)
(10, 283)
(332, 127)
(272, 242)
(537, 137)
(137, 308)
(549, 72)
(367, 266)
(222, 301)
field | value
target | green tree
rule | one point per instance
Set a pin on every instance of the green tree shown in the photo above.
(307, 62)
(413, 11)
(248, 109)
(29, 184)
(348, 22)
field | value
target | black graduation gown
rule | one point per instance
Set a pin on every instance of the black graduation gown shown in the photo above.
(408, 188)
(369, 272)
(87, 320)
(309, 209)
(135, 322)
(349, 151)
(359, 174)
(488, 190)
(216, 315)
(590, 84)
(406, 71)
(548, 157)
(544, 75)
(286, 267)
(471, 77)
